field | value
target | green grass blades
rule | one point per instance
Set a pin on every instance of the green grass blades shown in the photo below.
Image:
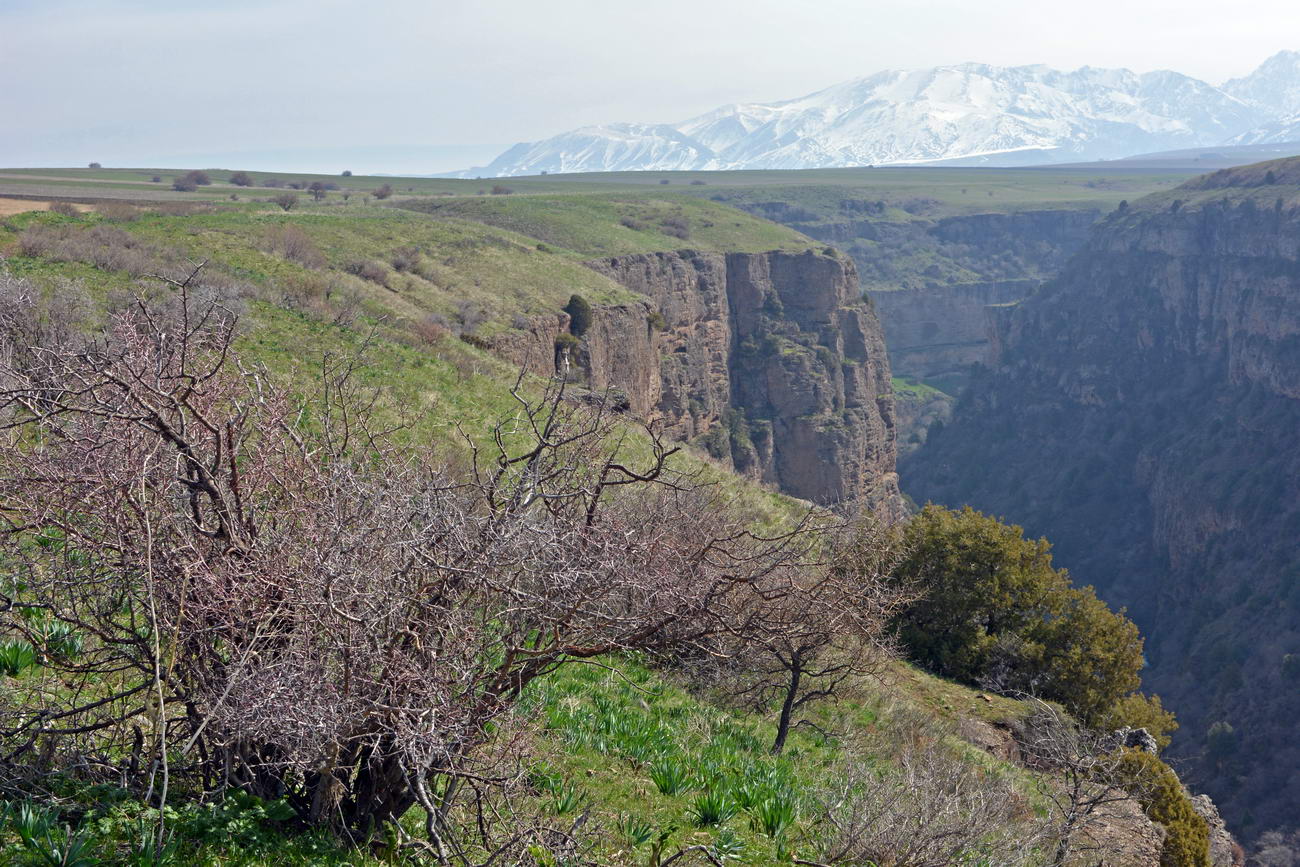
(670, 776)
(712, 808)
(16, 657)
(773, 815)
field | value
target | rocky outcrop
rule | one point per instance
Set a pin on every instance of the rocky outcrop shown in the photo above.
(771, 360)
(1142, 414)
(1224, 851)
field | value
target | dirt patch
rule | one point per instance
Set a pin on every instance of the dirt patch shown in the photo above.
(9, 207)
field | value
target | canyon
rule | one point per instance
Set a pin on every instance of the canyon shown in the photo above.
(1140, 412)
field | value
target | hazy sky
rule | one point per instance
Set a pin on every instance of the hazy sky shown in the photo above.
(433, 85)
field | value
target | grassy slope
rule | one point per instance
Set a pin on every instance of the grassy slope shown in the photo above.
(616, 224)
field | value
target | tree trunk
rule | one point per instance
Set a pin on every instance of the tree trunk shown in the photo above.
(787, 707)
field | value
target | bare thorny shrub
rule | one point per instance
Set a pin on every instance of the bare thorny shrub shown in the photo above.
(1087, 782)
(277, 595)
(906, 797)
(820, 642)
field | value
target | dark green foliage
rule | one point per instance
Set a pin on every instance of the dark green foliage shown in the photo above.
(995, 613)
(1187, 838)
(580, 315)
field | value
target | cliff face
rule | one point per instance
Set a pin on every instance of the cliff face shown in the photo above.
(1142, 413)
(932, 277)
(770, 360)
(942, 331)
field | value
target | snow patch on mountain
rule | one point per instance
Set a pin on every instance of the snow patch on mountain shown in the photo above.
(968, 113)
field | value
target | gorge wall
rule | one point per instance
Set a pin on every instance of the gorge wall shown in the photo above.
(1142, 411)
(771, 361)
(932, 276)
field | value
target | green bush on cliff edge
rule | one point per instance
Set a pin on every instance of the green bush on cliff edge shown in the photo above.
(1163, 799)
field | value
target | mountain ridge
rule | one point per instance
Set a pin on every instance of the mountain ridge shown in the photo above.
(966, 113)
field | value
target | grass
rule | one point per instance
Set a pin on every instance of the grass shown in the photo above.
(916, 389)
(819, 191)
(652, 759)
(618, 224)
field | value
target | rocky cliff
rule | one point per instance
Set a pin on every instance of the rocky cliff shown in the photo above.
(1142, 413)
(931, 276)
(941, 331)
(772, 361)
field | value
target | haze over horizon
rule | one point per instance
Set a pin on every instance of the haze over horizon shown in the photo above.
(410, 87)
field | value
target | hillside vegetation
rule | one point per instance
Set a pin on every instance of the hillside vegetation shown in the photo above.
(306, 575)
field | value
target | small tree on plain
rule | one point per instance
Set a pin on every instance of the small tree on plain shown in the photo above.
(183, 184)
(241, 179)
(95, 166)
(317, 190)
(287, 201)
(347, 173)
(384, 192)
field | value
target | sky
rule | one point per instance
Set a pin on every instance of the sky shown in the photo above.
(424, 86)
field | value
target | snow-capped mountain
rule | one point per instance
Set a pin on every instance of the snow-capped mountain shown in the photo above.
(964, 114)
(1273, 87)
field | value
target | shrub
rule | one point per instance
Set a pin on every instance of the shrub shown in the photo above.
(368, 270)
(698, 183)
(384, 192)
(184, 185)
(580, 315)
(118, 212)
(273, 183)
(241, 179)
(287, 201)
(157, 179)
(499, 190)
(996, 614)
(678, 227)
(633, 223)
(405, 258)
(347, 173)
(1163, 799)
(65, 209)
(198, 178)
(663, 182)
(431, 328)
(95, 166)
(294, 244)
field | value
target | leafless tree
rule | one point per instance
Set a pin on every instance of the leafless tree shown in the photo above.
(384, 191)
(828, 631)
(1084, 776)
(287, 201)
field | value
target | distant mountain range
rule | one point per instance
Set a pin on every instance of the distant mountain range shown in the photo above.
(968, 114)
